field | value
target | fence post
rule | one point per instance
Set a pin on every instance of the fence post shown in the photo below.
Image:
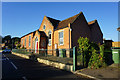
(74, 58)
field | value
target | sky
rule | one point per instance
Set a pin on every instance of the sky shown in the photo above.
(20, 18)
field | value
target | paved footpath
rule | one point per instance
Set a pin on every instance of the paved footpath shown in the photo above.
(14, 67)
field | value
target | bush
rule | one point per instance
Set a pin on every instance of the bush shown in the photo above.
(18, 46)
(84, 46)
(23, 47)
(102, 50)
(90, 53)
(94, 45)
(97, 59)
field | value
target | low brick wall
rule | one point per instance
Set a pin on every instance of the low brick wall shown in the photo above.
(21, 55)
(56, 64)
(47, 62)
(0, 50)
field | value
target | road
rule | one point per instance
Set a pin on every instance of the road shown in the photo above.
(14, 67)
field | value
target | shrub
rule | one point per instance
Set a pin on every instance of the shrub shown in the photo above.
(90, 53)
(97, 60)
(23, 47)
(102, 50)
(18, 46)
(84, 46)
(94, 45)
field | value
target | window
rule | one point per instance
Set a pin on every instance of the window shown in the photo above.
(29, 40)
(44, 27)
(49, 38)
(33, 45)
(61, 38)
(22, 42)
(25, 42)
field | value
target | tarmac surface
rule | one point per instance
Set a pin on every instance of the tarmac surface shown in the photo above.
(17, 68)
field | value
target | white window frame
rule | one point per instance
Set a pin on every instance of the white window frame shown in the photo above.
(25, 41)
(22, 42)
(50, 40)
(62, 37)
(29, 41)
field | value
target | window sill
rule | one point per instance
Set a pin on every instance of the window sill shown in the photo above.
(49, 44)
(61, 44)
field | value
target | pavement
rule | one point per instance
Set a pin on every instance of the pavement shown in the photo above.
(102, 73)
(17, 68)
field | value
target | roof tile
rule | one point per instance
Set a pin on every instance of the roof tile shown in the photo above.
(65, 22)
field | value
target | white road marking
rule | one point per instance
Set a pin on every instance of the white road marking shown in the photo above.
(7, 58)
(4, 55)
(24, 78)
(13, 65)
(3, 58)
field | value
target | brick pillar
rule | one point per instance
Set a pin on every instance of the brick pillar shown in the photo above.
(68, 53)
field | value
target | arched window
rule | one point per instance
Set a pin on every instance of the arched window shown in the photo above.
(44, 27)
(36, 39)
(49, 38)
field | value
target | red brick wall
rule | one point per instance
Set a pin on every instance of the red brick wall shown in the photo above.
(38, 36)
(79, 28)
(96, 34)
(43, 43)
(65, 37)
(49, 27)
(27, 41)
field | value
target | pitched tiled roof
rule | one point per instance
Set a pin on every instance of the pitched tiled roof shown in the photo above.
(54, 21)
(65, 22)
(92, 22)
(91, 25)
(42, 33)
(30, 33)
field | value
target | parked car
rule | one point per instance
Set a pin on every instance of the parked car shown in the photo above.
(6, 51)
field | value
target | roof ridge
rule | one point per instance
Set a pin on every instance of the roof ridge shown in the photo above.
(29, 33)
(52, 18)
(71, 17)
(93, 21)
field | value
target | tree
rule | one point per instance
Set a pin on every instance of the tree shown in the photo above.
(1, 39)
(16, 42)
(7, 40)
